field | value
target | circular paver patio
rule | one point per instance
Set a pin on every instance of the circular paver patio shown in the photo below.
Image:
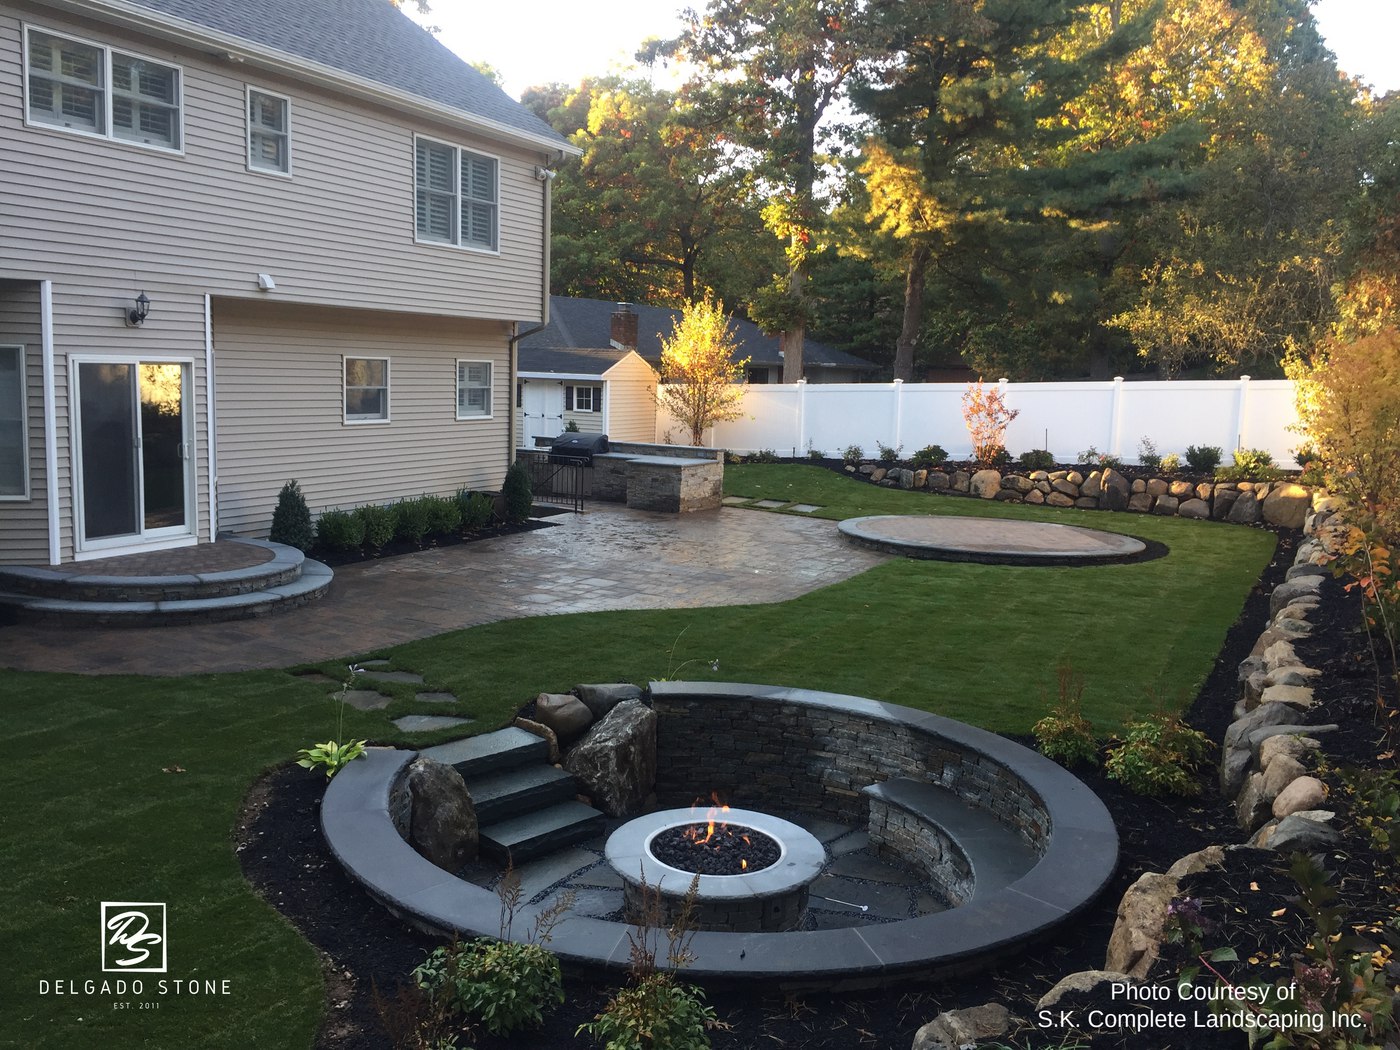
(955, 538)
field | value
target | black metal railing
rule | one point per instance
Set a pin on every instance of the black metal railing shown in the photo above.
(566, 484)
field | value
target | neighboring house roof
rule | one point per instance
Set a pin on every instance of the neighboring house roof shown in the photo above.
(586, 362)
(367, 39)
(587, 323)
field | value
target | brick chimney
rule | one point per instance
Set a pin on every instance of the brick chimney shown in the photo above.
(623, 334)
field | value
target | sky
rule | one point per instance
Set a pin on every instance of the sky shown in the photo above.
(540, 41)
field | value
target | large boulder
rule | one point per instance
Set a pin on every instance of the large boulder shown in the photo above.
(1290, 591)
(1140, 502)
(1017, 483)
(1287, 505)
(962, 481)
(600, 699)
(1245, 511)
(1299, 832)
(1194, 508)
(954, 1029)
(616, 762)
(1093, 484)
(1084, 986)
(1165, 505)
(1158, 487)
(937, 481)
(564, 713)
(1303, 793)
(1140, 929)
(1224, 502)
(985, 484)
(1058, 499)
(442, 824)
(1115, 490)
(1065, 488)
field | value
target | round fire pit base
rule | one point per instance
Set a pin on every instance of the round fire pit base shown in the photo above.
(771, 900)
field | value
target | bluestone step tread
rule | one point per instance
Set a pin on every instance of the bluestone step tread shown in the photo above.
(515, 791)
(478, 756)
(998, 855)
(535, 834)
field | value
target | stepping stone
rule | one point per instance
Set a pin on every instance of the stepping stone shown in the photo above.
(825, 830)
(849, 843)
(369, 664)
(366, 699)
(597, 904)
(730, 501)
(601, 878)
(804, 508)
(771, 504)
(393, 676)
(435, 698)
(864, 866)
(536, 876)
(423, 723)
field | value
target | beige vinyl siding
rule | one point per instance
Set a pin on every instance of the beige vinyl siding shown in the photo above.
(587, 422)
(24, 524)
(339, 231)
(632, 388)
(279, 375)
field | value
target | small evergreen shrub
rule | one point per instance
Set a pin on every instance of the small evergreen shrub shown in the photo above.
(411, 520)
(1254, 463)
(1158, 756)
(444, 515)
(1036, 459)
(379, 524)
(655, 1013)
(504, 985)
(516, 491)
(852, 455)
(1064, 734)
(291, 520)
(1148, 455)
(476, 509)
(888, 454)
(933, 455)
(1203, 459)
(340, 530)
(1169, 463)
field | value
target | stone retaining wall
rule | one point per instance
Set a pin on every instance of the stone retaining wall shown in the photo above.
(756, 751)
(925, 844)
(1239, 502)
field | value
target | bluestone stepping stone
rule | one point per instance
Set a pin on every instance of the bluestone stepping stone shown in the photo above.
(884, 902)
(804, 508)
(821, 919)
(864, 866)
(435, 698)
(536, 876)
(477, 756)
(370, 664)
(602, 877)
(423, 723)
(597, 904)
(393, 676)
(730, 501)
(366, 699)
(849, 843)
(771, 504)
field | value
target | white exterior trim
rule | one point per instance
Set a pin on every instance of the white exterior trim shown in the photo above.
(209, 422)
(366, 421)
(108, 90)
(50, 419)
(28, 493)
(457, 388)
(573, 377)
(248, 129)
(115, 551)
(239, 49)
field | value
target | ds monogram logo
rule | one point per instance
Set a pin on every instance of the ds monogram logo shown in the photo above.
(133, 937)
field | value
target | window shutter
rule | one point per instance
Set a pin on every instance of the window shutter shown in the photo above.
(598, 397)
(568, 399)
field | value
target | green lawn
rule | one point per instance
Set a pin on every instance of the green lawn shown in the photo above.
(91, 815)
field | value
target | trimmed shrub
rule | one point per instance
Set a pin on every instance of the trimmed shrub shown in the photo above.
(1158, 756)
(1203, 459)
(852, 455)
(444, 516)
(411, 520)
(340, 530)
(888, 454)
(1036, 459)
(379, 524)
(1170, 463)
(933, 455)
(291, 520)
(1254, 462)
(516, 491)
(477, 509)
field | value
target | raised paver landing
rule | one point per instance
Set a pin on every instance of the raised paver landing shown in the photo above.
(956, 538)
(606, 558)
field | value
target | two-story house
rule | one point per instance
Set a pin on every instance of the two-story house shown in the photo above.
(244, 241)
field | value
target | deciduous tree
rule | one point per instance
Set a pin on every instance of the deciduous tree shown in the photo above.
(702, 381)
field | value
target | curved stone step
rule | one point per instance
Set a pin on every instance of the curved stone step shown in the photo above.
(71, 584)
(310, 582)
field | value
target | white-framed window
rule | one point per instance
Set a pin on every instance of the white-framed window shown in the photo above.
(366, 390)
(583, 399)
(14, 428)
(473, 389)
(456, 196)
(92, 89)
(269, 132)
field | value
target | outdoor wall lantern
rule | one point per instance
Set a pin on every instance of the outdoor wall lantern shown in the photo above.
(136, 316)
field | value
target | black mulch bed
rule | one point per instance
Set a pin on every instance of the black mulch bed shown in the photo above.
(363, 948)
(335, 559)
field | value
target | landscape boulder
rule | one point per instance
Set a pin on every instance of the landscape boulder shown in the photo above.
(616, 762)
(600, 699)
(985, 484)
(1302, 793)
(442, 824)
(1115, 490)
(1224, 503)
(954, 1029)
(1245, 510)
(564, 713)
(1165, 505)
(1287, 505)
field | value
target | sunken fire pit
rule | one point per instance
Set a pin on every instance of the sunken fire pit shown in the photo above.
(767, 893)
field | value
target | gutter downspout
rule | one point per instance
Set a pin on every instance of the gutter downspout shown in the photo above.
(546, 176)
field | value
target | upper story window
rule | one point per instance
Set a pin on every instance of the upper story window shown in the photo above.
(474, 389)
(456, 196)
(366, 390)
(85, 87)
(14, 437)
(269, 132)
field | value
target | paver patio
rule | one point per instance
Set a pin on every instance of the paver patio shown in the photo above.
(606, 558)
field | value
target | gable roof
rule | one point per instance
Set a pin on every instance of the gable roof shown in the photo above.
(575, 323)
(580, 362)
(362, 40)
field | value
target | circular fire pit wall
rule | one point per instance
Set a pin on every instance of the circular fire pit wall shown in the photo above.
(770, 900)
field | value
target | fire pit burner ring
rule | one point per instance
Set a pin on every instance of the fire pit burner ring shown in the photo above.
(773, 898)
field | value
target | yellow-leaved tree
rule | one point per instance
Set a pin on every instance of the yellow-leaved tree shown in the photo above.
(702, 378)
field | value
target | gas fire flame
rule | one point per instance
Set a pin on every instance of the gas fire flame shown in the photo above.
(717, 811)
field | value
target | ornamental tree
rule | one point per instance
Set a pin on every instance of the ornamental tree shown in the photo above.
(702, 379)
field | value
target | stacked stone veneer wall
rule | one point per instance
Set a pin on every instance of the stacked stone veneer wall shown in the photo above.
(1239, 502)
(767, 752)
(654, 483)
(925, 844)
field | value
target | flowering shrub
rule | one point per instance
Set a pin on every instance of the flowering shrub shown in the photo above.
(987, 417)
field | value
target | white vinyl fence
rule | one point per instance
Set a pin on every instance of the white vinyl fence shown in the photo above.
(1066, 418)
